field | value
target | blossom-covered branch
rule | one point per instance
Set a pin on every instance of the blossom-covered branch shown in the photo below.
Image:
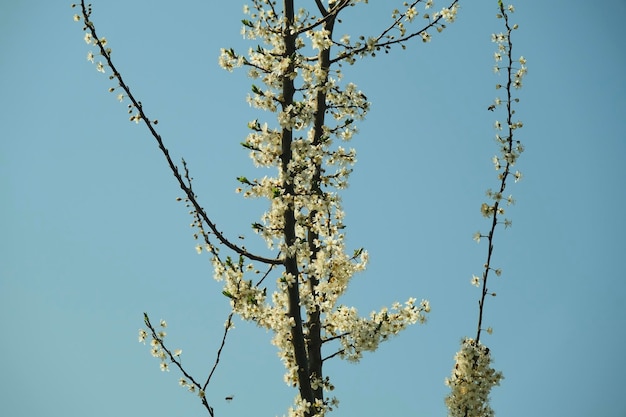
(314, 109)
(472, 376)
(510, 147)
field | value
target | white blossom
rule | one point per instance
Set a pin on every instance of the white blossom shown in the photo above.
(471, 381)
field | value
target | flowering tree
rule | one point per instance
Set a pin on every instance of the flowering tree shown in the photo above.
(297, 65)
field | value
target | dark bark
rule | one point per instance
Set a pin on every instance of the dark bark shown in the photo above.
(291, 264)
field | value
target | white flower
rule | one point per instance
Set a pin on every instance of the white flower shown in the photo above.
(411, 13)
(475, 281)
(486, 210)
(496, 162)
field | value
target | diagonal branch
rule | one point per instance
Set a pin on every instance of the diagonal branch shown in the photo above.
(331, 13)
(385, 44)
(219, 351)
(172, 358)
(339, 352)
(175, 171)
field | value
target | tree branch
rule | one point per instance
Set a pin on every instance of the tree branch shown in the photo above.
(219, 351)
(356, 51)
(172, 358)
(291, 263)
(175, 171)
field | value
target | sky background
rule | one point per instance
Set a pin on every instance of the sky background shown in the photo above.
(91, 234)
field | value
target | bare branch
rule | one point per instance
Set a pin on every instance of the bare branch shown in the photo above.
(219, 351)
(339, 352)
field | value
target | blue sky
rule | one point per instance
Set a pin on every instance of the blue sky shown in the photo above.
(92, 235)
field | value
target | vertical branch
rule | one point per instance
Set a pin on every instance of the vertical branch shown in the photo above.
(509, 154)
(472, 376)
(314, 321)
(485, 276)
(290, 261)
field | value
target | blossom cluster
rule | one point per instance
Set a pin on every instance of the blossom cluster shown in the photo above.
(365, 334)
(471, 381)
(303, 408)
(157, 347)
